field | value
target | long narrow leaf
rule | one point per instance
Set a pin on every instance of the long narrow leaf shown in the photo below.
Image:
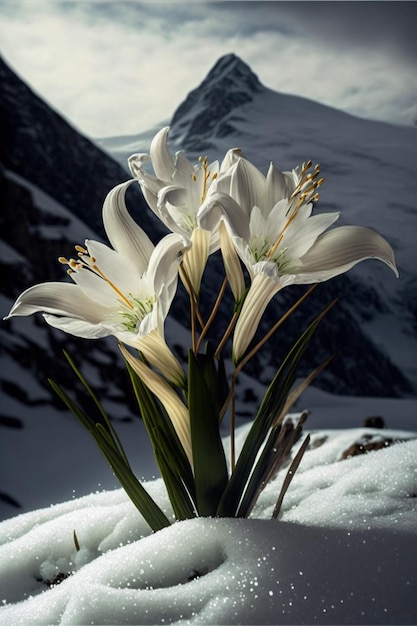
(136, 492)
(170, 456)
(273, 456)
(296, 393)
(210, 468)
(271, 406)
(82, 417)
(100, 407)
(145, 504)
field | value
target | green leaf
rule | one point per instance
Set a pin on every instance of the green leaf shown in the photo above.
(210, 468)
(148, 508)
(100, 407)
(271, 406)
(172, 461)
(258, 477)
(274, 453)
(145, 504)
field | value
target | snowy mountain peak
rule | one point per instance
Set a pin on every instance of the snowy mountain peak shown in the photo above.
(232, 73)
(229, 85)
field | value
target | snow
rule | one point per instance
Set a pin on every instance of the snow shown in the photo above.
(68, 224)
(342, 552)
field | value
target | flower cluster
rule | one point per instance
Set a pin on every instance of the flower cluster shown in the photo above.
(269, 239)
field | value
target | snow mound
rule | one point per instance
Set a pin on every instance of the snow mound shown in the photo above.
(342, 552)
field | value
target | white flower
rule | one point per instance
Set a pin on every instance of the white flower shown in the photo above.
(187, 198)
(180, 193)
(281, 243)
(126, 291)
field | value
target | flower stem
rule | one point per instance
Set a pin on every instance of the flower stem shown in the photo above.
(227, 333)
(232, 428)
(213, 313)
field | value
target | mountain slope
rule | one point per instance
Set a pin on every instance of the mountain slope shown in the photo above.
(52, 185)
(41, 147)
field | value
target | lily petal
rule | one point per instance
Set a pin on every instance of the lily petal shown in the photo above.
(277, 186)
(162, 161)
(247, 185)
(195, 259)
(261, 292)
(157, 352)
(338, 250)
(232, 264)
(122, 231)
(164, 264)
(176, 410)
(58, 299)
(221, 205)
(78, 328)
(301, 234)
(136, 162)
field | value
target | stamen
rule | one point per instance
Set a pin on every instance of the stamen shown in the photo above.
(90, 263)
(121, 295)
(304, 192)
(206, 176)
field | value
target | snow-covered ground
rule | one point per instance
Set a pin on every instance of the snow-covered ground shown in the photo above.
(343, 551)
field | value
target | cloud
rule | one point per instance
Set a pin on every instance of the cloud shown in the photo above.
(122, 67)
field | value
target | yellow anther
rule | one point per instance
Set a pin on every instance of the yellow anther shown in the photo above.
(63, 260)
(306, 166)
(81, 249)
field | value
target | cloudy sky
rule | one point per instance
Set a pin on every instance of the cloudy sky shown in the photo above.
(120, 67)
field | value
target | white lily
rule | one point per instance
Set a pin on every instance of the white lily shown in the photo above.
(281, 243)
(187, 198)
(126, 291)
(180, 192)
